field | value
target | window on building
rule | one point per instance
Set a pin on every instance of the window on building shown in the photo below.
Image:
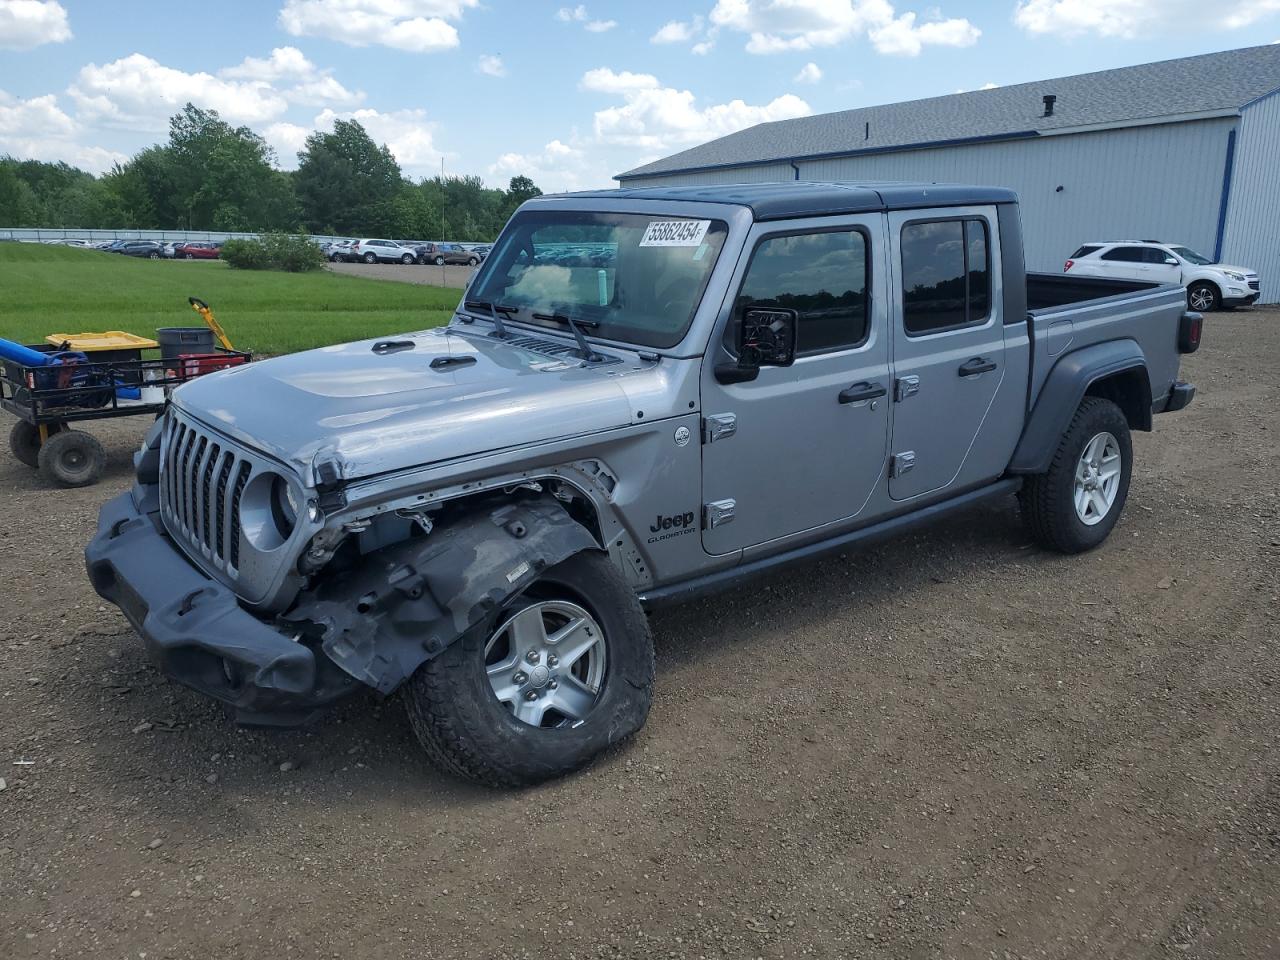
(946, 275)
(823, 277)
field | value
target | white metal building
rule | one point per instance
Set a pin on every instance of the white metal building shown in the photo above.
(1185, 151)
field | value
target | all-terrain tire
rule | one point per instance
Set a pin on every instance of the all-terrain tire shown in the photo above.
(24, 443)
(72, 458)
(1047, 500)
(468, 733)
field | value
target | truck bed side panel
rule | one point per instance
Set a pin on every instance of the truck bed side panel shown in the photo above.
(1149, 316)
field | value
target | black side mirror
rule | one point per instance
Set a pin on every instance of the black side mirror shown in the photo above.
(766, 338)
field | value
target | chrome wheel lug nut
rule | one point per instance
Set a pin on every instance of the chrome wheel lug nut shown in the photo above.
(553, 660)
(531, 695)
(519, 678)
(533, 656)
(553, 683)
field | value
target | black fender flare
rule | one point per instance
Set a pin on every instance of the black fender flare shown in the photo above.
(1064, 388)
(408, 602)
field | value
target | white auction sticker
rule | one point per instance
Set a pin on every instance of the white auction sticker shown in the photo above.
(674, 233)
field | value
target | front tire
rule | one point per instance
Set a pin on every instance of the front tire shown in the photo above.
(1204, 297)
(407, 259)
(472, 262)
(562, 672)
(72, 458)
(1074, 505)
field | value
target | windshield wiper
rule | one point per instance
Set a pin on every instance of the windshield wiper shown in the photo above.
(496, 311)
(584, 347)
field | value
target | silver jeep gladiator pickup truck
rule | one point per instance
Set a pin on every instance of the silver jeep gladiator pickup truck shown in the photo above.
(644, 394)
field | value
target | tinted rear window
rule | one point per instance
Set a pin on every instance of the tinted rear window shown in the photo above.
(1126, 254)
(1084, 251)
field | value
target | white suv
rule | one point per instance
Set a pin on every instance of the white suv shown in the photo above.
(380, 251)
(1209, 285)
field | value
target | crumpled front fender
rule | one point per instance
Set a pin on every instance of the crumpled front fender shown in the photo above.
(407, 602)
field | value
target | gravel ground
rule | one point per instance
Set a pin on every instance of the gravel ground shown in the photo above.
(447, 276)
(954, 745)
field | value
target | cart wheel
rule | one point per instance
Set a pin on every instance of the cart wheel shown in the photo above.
(72, 458)
(24, 441)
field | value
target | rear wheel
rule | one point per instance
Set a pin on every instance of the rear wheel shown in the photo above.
(24, 442)
(563, 671)
(439, 261)
(1074, 505)
(188, 256)
(153, 255)
(370, 258)
(72, 458)
(472, 262)
(1203, 297)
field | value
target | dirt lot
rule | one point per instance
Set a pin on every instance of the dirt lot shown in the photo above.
(447, 276)
(951, 746)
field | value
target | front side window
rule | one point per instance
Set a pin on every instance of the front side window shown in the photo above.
(632, 277)
(946, 275)
(822, 276)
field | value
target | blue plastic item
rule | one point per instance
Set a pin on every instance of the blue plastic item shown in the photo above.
(25, 355)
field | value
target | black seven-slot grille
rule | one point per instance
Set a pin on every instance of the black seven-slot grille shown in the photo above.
(201, 482)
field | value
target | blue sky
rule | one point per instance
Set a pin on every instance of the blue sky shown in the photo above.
(569, 94)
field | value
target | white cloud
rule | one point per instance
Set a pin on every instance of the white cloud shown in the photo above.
(557, 166)
(418, 26)
(580, 15)
(298, 79)
(655, 117)
(902, 36)
(604, 80)
(1129, 18)
(491, 66)
(809, 73)
(407, 134)
(39, 129)
(678, 31)
(139, 93)
(286, 139)
(776, 26)
(31, 23)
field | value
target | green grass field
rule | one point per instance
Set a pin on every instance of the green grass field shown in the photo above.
(47, 290)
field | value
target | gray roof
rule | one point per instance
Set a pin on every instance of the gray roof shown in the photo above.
(1207, 84)
(806, 198)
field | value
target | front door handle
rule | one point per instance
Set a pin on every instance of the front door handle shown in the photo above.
(971, 368)
(862, 391)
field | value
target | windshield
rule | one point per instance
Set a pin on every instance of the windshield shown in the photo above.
(1189, 255)
(633, 277)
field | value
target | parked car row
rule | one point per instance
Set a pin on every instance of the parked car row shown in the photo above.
(406, 252)
(1209, 285)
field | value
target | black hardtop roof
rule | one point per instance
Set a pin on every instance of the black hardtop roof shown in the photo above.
(804, 198)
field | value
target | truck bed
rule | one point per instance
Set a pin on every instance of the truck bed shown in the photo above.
(1067, 313)
(1048, 290)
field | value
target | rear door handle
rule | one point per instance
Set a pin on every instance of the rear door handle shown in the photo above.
(862, 391)
(971, 368)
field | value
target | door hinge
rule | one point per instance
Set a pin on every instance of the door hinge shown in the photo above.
(719, 426)
(902, 463)
(717, 513)
(905, 387)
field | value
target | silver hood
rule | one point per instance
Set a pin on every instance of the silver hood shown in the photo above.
(379, 413)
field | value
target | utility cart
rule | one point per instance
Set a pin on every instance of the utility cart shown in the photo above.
(49, 387)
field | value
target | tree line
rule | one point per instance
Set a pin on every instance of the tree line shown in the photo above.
(213, 176)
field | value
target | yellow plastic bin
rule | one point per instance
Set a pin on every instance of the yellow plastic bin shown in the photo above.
(109, 346)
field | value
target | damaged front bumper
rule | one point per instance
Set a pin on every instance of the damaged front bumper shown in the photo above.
(195, 629)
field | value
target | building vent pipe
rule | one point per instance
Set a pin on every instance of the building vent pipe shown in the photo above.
(1049, 101)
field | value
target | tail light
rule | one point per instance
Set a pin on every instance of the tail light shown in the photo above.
(1070, 264)
(1189, 329)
